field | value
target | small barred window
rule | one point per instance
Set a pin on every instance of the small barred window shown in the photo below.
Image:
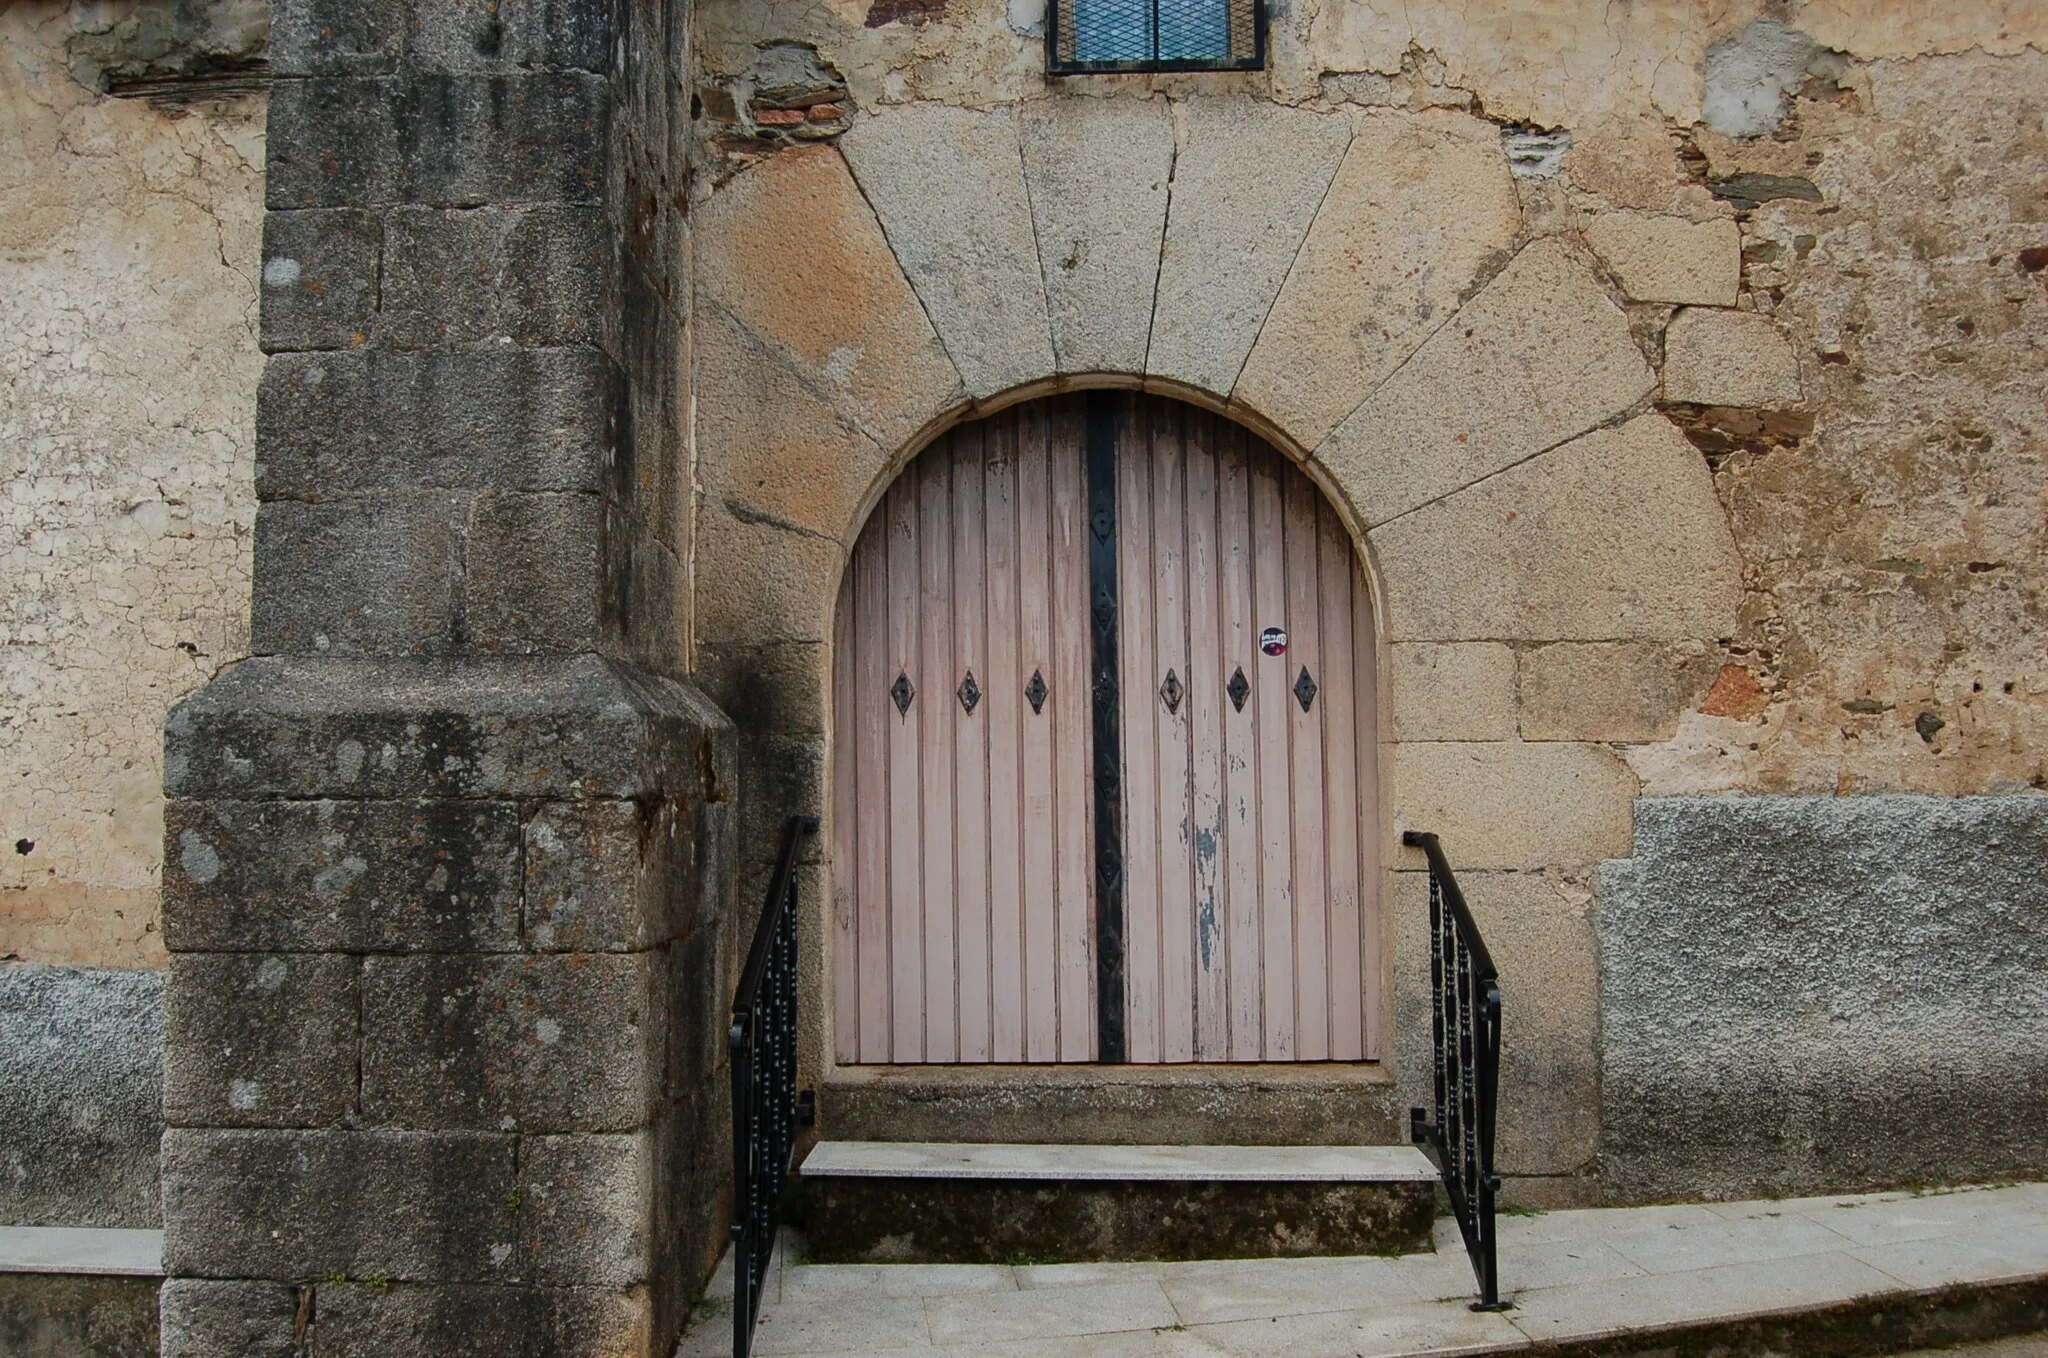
(1104, 36)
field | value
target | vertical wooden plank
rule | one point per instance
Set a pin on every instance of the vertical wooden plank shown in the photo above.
(845, 833)
(1136, 625)
(1207, 674)
(1005, 700)
(1365, 674)
(1340, 817)
(1242, 847)
(1175, 813)
(970, 746)
(873, 712)
(906, 857)
(1270, 684)
(1305, 734)
(1068, 705)
(1035, 656)
(934, 476)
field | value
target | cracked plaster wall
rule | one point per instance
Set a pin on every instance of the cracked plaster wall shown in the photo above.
(128, 357)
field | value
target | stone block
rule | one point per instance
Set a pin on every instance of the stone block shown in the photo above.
(780, 776)
(1098, 171)
(1612, 690)
(359, 1321)
(558, 276)
(260, 1039)
(972, 257)
(1814, 994)
(442, 274)
(586, 1208)
(78, 1315)
(508, 39)
(533, 570)
(604, 876)
(773, 582)
(847, 318)
(1539, 356)
(1246, 185)
(531, 420)
(780, 686)
(1510, 805)
(341, 876)
(1418, 207)
(438, 140)
(335, 37)
(555, 1042)
(1451, 690)
(1539, 930)
(1615, 535)
(358, 576)
(320, 278)
(204, 1318)
(1728, 358)
(288, 1205)
(1660, 258)
(560, 727)
(701, 1009)
(771, 444)
(81, 1074)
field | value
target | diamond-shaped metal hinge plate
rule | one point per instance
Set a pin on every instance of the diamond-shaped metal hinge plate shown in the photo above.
(1034, 692)
(1238, 689)
(1304, 689)
(902, 692)
(970, 693)
(1171, 692)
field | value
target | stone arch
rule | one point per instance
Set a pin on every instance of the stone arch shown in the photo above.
(1360, 288)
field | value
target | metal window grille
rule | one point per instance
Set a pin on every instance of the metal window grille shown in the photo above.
(1092, 37)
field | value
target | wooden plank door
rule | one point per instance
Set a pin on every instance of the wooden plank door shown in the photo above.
(964, 929)
(965, 789)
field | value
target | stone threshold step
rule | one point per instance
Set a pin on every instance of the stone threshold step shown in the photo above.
(81, 1250)
(1119, 1164)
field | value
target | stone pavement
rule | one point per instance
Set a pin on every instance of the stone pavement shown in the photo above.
(1573, 1277)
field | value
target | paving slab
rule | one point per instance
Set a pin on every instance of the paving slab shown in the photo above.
(1117, 1164)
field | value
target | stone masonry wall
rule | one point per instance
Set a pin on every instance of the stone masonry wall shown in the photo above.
(128, 368)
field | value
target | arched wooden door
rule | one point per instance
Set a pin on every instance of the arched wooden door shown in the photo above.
(1112, 573)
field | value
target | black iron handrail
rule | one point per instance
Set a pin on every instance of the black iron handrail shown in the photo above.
(764, 1105)
(1464, 991)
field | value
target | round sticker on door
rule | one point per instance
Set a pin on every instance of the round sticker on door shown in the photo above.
(1273, 641)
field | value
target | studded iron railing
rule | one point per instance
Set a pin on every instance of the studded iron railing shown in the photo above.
(1464, 993)
(1091, 37)
(765, 1116)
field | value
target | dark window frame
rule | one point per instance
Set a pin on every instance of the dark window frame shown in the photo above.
(1256, 61)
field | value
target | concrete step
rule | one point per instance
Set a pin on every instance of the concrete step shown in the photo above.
(955, 1202)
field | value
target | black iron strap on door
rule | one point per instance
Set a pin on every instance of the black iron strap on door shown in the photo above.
(1109, 795)
(765, 1116)
(1464, 992)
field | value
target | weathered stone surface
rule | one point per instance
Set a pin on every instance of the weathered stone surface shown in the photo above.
(1451, 691)
(358, 577)
(1539, 929)
(536, 275)
(771, 444)
(557, 727)
(532, 573)
(1539, 356)
(1098, 171)
(1617, 534)
(556, 34)
(1419, 205)
(81, 1067)
(336, 37)
(530, 420)
(1477, 796)
(775, 582)
(1807, 994)
(320, 278)
(848, 315)
(361, 1321)
(260, 1039)
(605, 876)
(971, 256)
(407, 1206)
(1246, 185)
(1660, 258)
(71, 1315)
(202, 1318)
(1612, 690)
(1728, 358)
(587, 1208)
(557, 1042)
(343, 876)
